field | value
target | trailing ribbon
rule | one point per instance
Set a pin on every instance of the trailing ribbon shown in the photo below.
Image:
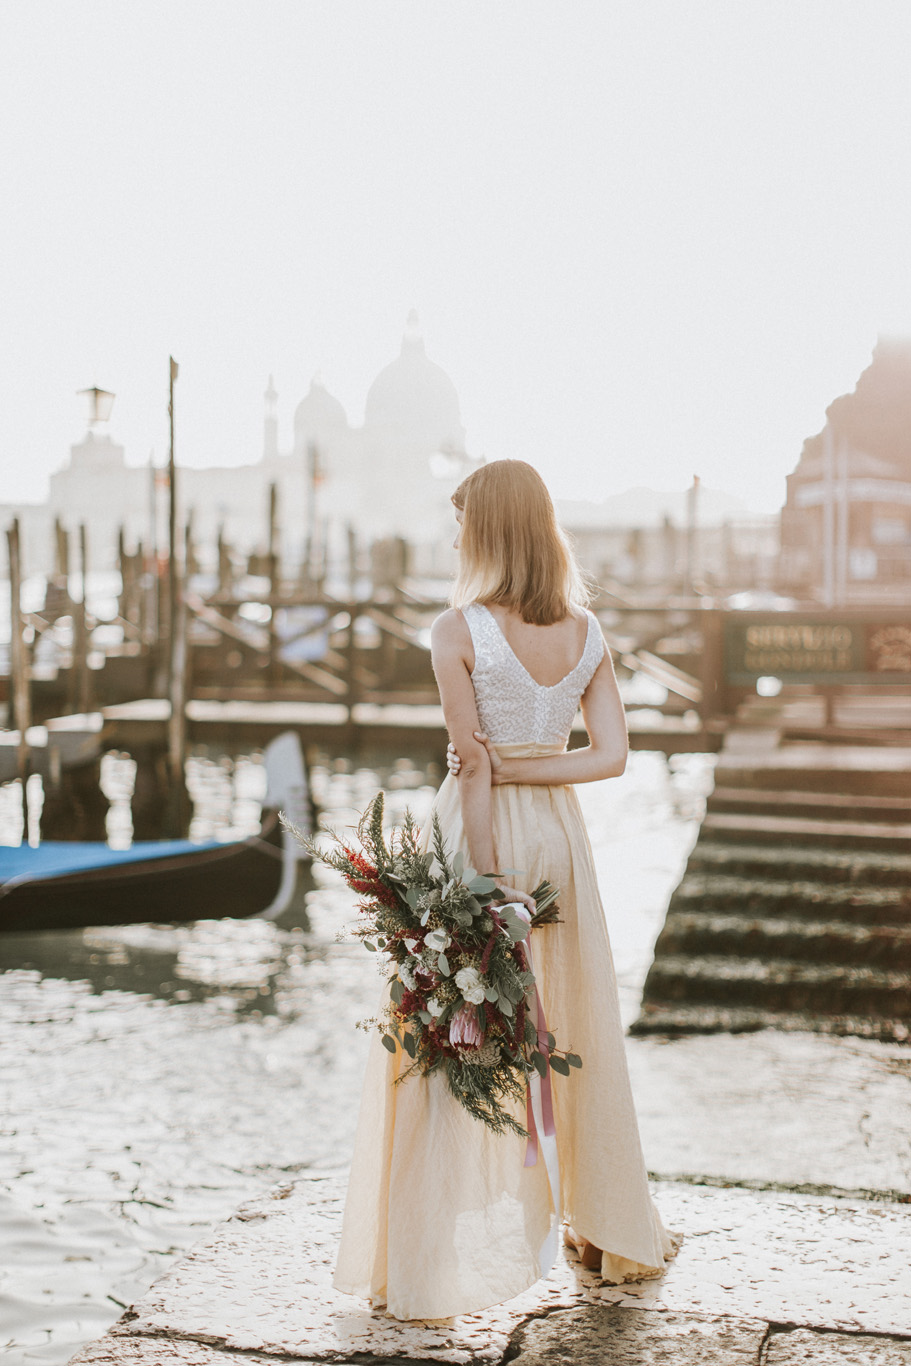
(547, 1125)
(539, 1110)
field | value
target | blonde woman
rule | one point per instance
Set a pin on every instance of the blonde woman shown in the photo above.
(443, 1217)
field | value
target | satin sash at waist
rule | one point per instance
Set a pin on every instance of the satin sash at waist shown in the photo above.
(528, 751)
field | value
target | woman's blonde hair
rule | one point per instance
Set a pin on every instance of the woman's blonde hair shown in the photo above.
(512, 551)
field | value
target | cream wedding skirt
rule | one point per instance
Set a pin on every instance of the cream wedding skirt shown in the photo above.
(442, 1217)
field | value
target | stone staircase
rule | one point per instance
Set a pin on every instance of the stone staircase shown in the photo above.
(795, 907)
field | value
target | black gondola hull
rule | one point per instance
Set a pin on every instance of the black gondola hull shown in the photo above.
(233, 880)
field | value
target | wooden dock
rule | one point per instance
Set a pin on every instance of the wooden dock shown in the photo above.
(399, 726)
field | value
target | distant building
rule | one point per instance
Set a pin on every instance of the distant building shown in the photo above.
(394, 475)
(846, 525)
(646, 539)
(391, 477)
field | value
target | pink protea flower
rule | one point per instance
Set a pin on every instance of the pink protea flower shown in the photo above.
(464, 1029)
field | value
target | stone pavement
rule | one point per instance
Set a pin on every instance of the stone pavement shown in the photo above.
(761, 1276)
(784, 1161)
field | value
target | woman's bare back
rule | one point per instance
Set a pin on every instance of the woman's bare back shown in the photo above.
(547, 653)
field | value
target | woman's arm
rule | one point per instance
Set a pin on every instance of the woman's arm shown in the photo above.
(453, 659)
(603, 757)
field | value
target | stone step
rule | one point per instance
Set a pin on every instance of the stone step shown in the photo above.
(880, 868)
(660, 1018)
(819, 768)
(721, 825)
(717, 893)
(853, 806)
(808, 941)
(779, 984)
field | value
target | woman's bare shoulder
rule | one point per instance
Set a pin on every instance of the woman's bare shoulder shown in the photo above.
(450, 631)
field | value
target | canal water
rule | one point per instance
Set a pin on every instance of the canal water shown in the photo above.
(152, 1078)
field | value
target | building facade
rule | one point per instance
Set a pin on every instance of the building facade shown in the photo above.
(846, 524)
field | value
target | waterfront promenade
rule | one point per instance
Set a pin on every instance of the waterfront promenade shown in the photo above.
(783, 1160)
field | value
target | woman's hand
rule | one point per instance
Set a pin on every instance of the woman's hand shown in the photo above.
(454, 762)
(513, 894)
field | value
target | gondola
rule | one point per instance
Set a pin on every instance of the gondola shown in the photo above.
(66, 885)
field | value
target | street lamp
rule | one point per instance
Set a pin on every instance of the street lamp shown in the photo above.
(100, 402)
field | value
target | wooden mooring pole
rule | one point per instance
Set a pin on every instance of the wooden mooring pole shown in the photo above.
(80, 679)
(274, 571)
(178, 687)
(178, 801)
(19, 669)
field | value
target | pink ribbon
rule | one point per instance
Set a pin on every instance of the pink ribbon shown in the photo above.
(547, 1098)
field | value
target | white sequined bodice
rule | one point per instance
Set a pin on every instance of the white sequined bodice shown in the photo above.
(513, 709)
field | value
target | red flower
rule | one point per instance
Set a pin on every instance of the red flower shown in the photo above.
(370, 882)
(359, 862)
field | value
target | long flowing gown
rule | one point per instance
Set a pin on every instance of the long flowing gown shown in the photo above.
(442, 1217)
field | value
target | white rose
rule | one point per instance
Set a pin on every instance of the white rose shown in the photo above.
(468, 981)
(438, 940)
(435, 1007)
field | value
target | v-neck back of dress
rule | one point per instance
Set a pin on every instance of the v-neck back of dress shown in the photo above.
(513, 708)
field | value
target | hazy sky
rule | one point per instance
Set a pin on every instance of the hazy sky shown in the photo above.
(645, 239)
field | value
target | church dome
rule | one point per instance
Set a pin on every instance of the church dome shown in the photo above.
(318, 415)
(415, 396)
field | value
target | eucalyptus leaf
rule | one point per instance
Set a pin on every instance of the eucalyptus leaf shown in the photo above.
(560, 1065)
(574, 1060)
(540, 1063)
(388, 1043)
(412, 896)
(426, 1016)
(458, 862)
(516, 927)
(481, 885)
(409, 1045)
(491, 993)
(443, 964)
(397, 990)
(506, 1006)
(551, 1042)
(367, 945)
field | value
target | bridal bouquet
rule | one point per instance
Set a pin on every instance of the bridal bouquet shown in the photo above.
(462, 993)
